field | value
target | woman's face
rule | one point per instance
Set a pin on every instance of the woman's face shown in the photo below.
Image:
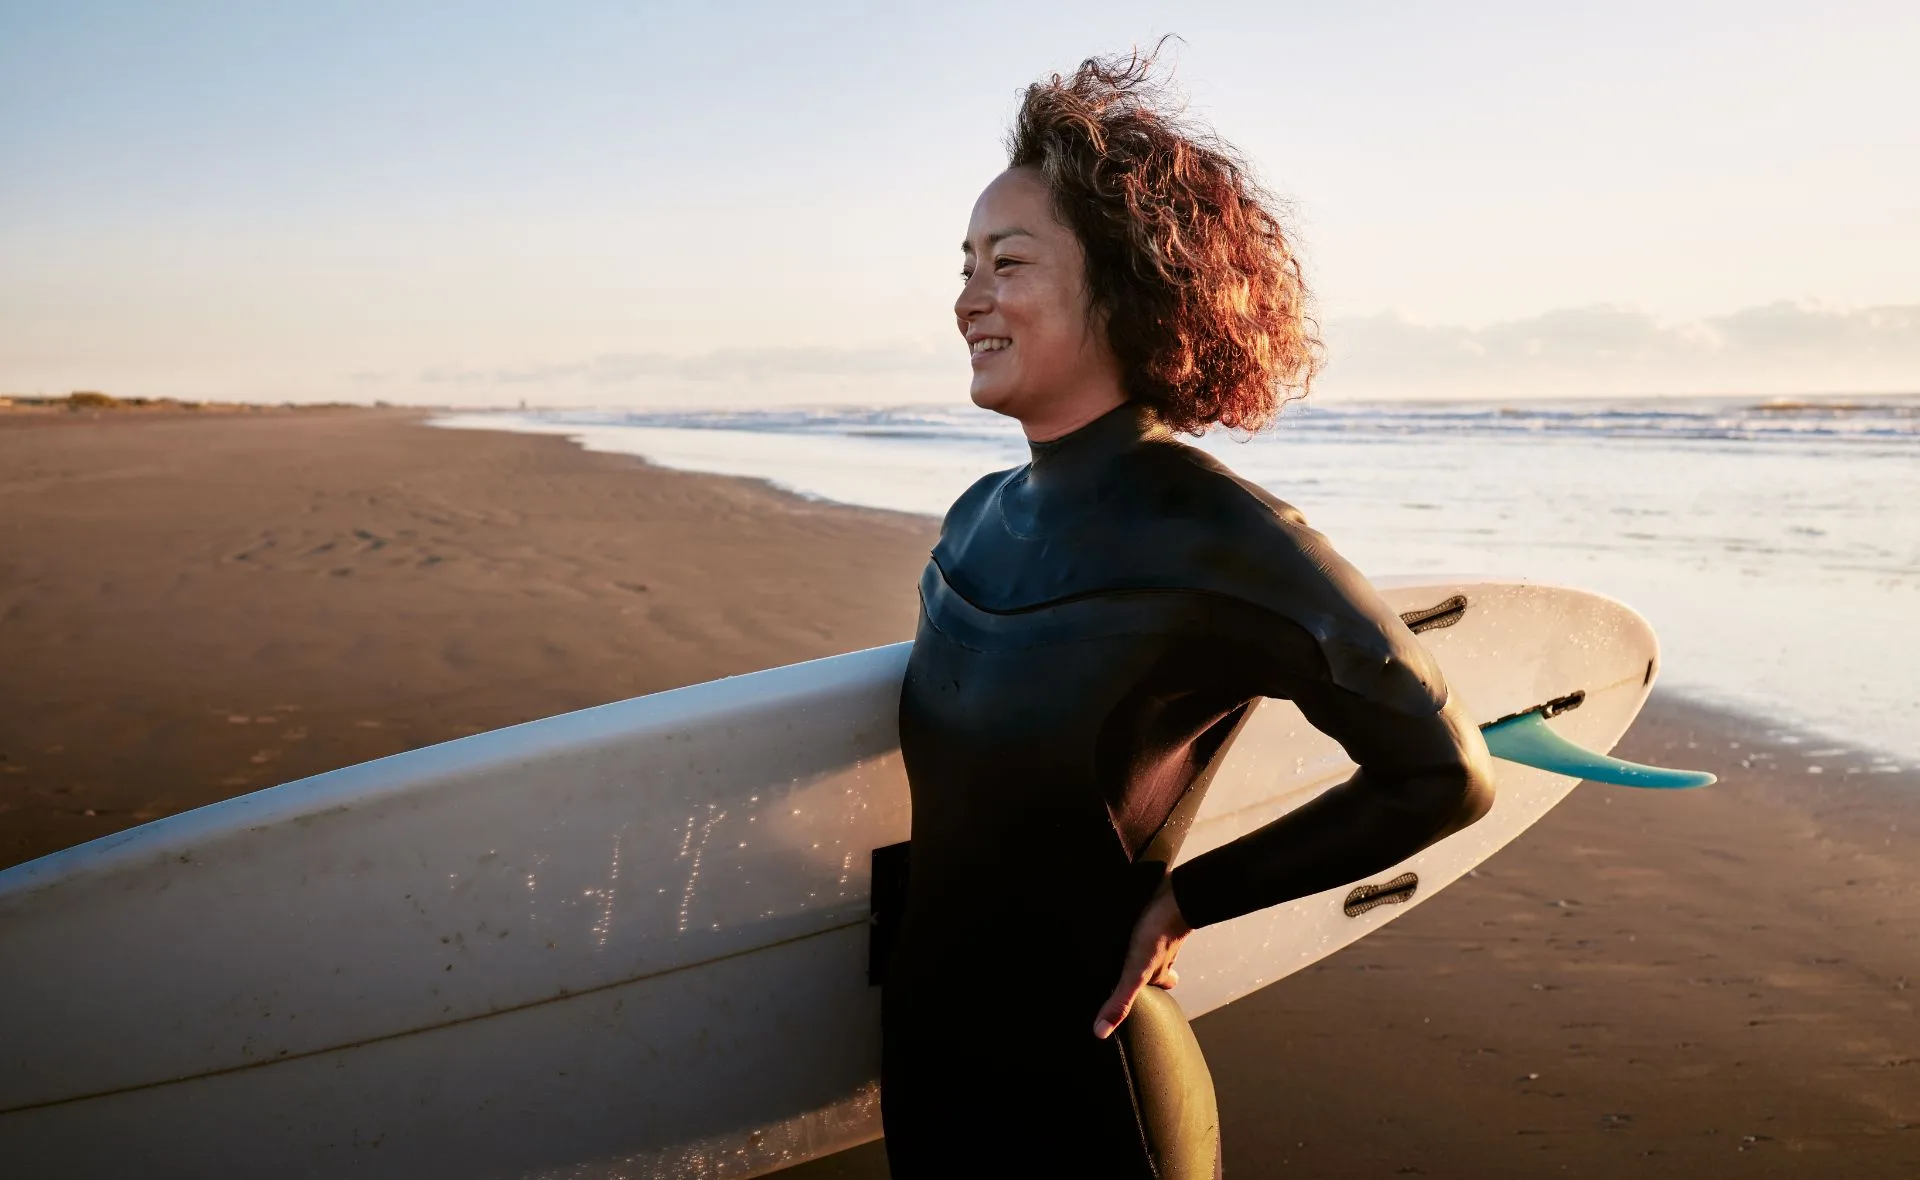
(1037, 355)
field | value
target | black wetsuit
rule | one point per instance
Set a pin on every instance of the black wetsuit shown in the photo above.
(1093, 625)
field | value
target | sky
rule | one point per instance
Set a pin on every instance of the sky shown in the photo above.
(673, 204)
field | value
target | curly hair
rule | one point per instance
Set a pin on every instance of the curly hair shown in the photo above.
(1186, 258)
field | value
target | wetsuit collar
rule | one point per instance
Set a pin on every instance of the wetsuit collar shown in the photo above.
(1076, 456)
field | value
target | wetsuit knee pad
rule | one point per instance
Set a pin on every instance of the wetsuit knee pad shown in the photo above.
(1172, 1088)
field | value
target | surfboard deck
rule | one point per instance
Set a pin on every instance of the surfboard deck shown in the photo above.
(629, 941)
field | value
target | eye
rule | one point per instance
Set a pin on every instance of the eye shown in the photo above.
(965, 274)
(1003, 263)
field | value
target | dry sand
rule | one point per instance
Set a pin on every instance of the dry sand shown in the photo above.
(1716, 983)
(192, 607)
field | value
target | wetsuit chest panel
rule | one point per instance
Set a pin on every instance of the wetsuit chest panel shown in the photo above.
(1056, 743)
(1121, 506)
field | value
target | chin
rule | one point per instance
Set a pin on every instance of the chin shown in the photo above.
(991, 397)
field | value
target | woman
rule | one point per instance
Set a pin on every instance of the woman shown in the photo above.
(1094, 625)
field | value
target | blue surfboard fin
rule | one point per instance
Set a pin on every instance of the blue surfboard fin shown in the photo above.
(1526, 739)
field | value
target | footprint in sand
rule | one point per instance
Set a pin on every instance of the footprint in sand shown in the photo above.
(267, 541)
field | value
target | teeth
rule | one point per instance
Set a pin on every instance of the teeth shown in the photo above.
(991, 344)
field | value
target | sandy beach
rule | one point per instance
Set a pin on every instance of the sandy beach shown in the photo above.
(1715, 983)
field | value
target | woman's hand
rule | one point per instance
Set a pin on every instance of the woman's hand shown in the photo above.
(1156, 941)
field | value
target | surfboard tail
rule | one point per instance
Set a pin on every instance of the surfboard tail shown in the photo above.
(1527, 740)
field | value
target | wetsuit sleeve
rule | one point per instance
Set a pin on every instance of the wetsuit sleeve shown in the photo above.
(1420, 778)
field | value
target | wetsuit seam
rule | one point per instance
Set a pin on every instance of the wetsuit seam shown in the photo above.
(1000, 504)
(1062, 641)
(926, 616)
(1108, 592)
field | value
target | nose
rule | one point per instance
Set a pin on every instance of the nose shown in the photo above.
(976, 299)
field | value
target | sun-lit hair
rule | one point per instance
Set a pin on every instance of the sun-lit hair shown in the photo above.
(1186, 257)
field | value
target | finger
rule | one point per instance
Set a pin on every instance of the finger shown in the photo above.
(1120, 1002)
(1116, 1010)
(1167, 980)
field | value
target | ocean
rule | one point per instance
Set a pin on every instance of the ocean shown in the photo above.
(1775, 546)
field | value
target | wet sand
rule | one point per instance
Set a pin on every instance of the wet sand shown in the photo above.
(1706, 984)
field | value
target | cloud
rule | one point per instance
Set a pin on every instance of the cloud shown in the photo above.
(1608, 350)
(1599, 351)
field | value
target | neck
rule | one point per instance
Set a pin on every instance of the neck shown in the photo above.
(1057, 421)
(1080, 454)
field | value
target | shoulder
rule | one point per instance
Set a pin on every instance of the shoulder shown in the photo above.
(1239, 540)
(968, 508)
(1232, 533)
(1190, 486)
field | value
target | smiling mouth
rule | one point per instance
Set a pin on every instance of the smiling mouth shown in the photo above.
(990, 344)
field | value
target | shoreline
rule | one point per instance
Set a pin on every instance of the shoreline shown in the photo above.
(1717, 982)
(1705, 593)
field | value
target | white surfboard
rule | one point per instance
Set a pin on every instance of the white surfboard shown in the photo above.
(625, 942)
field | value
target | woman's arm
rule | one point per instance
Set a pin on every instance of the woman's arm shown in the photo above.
(1421, 778)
